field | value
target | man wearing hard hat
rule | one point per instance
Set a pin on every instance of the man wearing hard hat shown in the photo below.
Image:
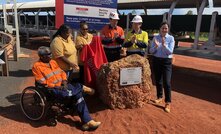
(136, 40)
(112, 38)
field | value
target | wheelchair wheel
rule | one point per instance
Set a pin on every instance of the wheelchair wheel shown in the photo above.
(33, 103)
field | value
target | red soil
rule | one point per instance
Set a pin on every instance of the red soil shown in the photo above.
(195, 109)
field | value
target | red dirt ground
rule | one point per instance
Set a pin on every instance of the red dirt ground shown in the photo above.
(196, 108)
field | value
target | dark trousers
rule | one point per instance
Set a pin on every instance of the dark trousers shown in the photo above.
(73, 77)
(76, 95)
(140, 53)
(112, 54)
(162, 71)
(81, 77)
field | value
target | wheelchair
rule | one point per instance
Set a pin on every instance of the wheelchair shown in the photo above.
(39, 103)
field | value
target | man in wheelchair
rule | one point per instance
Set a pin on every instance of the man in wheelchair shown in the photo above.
(48, 73)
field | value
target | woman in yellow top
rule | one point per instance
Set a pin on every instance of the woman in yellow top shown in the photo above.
(83, 38)
(64, 51)
(136, 40)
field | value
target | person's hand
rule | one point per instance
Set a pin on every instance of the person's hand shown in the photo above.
(115, 35)
(156, 42)
(74, 66)
(123, 52)
(163, 41)
(133, 39)
(81, 46)
(64, 85)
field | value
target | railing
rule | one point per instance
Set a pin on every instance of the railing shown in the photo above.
(7, 51)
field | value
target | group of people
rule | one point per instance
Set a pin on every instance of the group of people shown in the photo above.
(56, 66)
(58, 63)
(136, 42)
(117, 45)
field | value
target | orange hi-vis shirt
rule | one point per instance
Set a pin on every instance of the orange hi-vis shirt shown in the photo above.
(109, 32)
(49, 74)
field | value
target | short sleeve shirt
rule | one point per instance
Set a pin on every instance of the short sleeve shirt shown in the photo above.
(61, 47)
(80, 40)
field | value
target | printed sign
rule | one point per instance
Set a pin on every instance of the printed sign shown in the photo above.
(130, 76)
(94, 12)
(2, 57)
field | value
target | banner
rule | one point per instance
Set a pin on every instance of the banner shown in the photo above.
(94, 12)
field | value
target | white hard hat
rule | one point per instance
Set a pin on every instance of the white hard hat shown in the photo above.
(114, 15)
(137, 19)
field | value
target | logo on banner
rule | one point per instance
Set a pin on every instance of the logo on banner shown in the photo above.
(2, 57)
(81, 10)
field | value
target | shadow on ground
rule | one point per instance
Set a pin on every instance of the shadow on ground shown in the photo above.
(21, 73)
(199, 84)
(14, 112)
(196, 83)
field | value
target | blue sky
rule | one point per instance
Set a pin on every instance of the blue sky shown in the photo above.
(208, 10)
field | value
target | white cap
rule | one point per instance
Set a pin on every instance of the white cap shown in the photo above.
(137, 19)
(43, 50)
(114, 15)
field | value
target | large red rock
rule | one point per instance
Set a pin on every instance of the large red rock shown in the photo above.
(130, 96)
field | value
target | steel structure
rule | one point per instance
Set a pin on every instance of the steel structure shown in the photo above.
(37, 26)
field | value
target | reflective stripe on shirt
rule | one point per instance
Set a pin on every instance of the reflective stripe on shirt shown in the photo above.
(41, 80)
(56, 81)
(52, 73)
(79, 100)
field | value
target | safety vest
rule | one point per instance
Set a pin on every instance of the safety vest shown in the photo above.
(48, 74)
(141, 36)
(109, 32)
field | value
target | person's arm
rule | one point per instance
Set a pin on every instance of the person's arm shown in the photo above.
(141, 44)
(57, 51)
(144, 42)
(74, 66)
(39, 78)
(63, 74)
(154, 46)
(168, 49)
(119, 40)
(127, 42)
(106, 41)
(78, 43)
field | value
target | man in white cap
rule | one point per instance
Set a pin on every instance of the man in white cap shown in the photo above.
(112, 38)
(136, 40)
